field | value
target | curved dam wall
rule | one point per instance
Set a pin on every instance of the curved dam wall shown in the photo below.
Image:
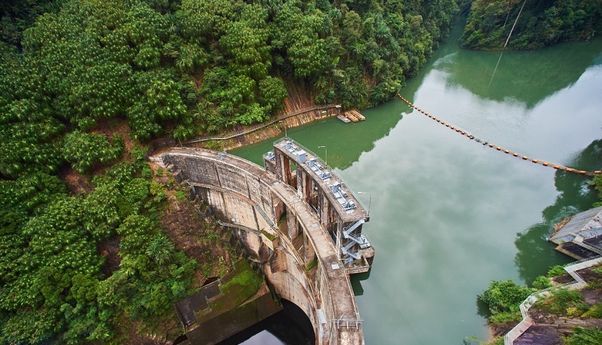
(280, 232)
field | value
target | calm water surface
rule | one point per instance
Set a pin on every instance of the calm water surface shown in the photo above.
(448, 215)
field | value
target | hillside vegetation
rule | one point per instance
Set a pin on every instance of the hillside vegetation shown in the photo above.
(575, 316)
(541, 23)
(570, 317)
(92, 246)
(180, 69)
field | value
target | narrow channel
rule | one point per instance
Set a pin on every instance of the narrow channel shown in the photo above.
(448, 215)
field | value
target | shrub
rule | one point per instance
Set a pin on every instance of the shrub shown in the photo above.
(541, 283)
(180, 195)
(564, 302)
(83, 150)
(594, 311)
(504, 296)
(556, 271)
(505, 317)
(583, 336)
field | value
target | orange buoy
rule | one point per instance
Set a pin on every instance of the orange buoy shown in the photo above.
(498, 148)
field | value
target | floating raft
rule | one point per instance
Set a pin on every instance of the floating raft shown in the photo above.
(343, 118)
(351, 116)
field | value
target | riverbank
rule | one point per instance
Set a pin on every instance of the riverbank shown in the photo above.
(247, 135)
(555, 309)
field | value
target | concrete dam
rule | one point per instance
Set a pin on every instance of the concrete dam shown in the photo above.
(298, 221)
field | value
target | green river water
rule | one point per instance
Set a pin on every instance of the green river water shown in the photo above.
(449, 215)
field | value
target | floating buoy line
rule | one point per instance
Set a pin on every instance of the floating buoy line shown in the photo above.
(499, 148)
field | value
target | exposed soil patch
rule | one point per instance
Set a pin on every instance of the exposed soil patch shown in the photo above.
(563, 279)
(539, 335)
(109, 249)
(76, 182)
(116, 128)
(185, 227)
(298, 97)
(541, 316)
(566, 325)
(592, 296)
(591, 276)
(550, 328)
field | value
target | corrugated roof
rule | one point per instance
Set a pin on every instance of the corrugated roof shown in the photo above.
(587, 224)
(340, 196)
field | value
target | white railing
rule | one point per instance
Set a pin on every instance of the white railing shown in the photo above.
(524, 307)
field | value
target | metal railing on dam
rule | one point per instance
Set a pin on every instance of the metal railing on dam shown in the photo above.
(296, 252)
(339, 212)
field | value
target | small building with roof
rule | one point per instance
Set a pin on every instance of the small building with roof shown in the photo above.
(580, 236)
(338, 210)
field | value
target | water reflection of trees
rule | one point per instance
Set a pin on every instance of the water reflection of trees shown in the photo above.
(528, 77)
(344, 148)
(535, 254)
(343, 153)
(541, 72)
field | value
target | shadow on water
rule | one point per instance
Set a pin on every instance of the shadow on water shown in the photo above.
(356, 282)
(343, 148)
(534, 251)
(288, 327)
(548, 65)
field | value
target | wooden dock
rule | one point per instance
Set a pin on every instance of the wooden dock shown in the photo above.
(351, 116)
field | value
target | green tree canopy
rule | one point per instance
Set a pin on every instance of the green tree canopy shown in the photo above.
(541, 23)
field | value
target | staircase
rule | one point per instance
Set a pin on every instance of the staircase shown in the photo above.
(349, 252)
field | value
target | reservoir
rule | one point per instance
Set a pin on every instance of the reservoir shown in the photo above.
(449, 215)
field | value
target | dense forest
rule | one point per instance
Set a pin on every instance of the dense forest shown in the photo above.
(541, 23)
(85, 85)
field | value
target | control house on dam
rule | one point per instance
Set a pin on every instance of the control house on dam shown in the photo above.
(333, 203)
(297, 220)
